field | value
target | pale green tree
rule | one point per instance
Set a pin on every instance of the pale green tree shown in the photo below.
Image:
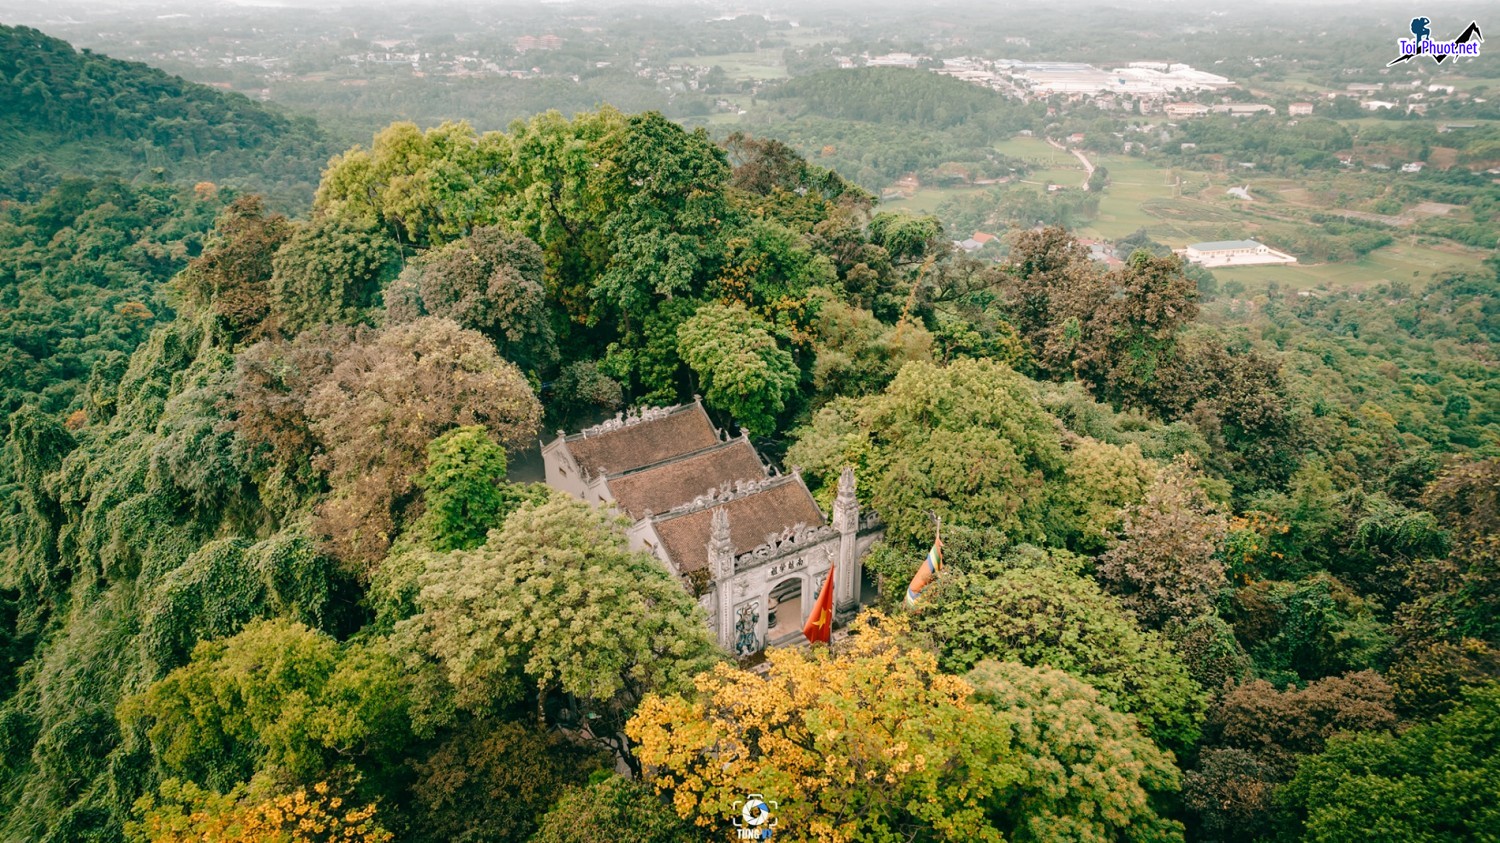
(1101, 479)
(968, 441)
(277, 696)
(555, 602)
(1090, 774)
(1045, 616)
(426, 188)
(602, 809)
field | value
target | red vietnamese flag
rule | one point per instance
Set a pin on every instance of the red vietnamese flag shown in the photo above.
(819, 626)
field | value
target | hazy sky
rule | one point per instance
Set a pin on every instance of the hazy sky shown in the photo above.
(36, 9)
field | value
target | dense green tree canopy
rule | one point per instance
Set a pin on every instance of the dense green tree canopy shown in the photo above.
(1435, 781)
(1090, 773)
(742, 369)
(82, 282)
(1044, 616)
(276, 696)
(603, 808)
(554, 602)
(70, 105)
(259, 551)
(331, 271)
(491, 282)
(381, 405)
(464, 489)
(971, 432)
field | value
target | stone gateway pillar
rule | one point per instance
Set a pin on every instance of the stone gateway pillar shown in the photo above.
(851, 568)
(721, 568)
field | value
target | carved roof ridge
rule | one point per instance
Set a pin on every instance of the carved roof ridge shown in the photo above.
(794, 537)
(727, 492)
(629, 418)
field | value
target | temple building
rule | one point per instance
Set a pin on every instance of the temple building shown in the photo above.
(749, 541)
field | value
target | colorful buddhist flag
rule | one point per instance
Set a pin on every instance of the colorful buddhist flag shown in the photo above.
(819, 626)
(931, 567)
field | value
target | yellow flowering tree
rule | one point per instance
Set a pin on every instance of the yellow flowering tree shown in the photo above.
(868, 741)
(185, 813)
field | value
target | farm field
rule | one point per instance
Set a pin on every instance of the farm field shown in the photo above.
(759, 65)
(1038, 152)
(1401, 261)
(1178, 207)
(926, 200)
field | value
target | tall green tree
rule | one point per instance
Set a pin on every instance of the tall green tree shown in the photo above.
(464, 489)
(554, 607)
(425, 188)
(331, 270)
(968, 441)
(668, 211)
(1132, 335)
(1044, 616)
(743, 370)
(600, 810)
(277, 697)
(491, 282)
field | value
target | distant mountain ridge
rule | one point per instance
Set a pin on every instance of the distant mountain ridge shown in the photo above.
(77, 111)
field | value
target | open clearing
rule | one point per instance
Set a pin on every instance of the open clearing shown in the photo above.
(1178, 207)
(1413, 264)
(756, 66)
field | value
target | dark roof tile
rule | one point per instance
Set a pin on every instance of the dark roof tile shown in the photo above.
(685, 429)
(659, 487)
(751, 519)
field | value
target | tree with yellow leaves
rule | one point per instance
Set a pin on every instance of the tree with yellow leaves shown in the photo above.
(869, 741)
(185, 813)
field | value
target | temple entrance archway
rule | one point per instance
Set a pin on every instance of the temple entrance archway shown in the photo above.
(786, 602)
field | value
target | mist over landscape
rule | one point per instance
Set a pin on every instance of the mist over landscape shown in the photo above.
(579, 421)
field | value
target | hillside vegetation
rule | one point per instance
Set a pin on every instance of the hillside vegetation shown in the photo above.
(877, 124)
(74, 111)
(1219, 570)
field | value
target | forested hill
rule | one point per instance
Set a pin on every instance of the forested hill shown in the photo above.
(875, 124)
(889, 94)
(1232, 564)
(73, 111)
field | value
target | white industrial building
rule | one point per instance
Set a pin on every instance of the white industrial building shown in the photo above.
(1234, 253)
